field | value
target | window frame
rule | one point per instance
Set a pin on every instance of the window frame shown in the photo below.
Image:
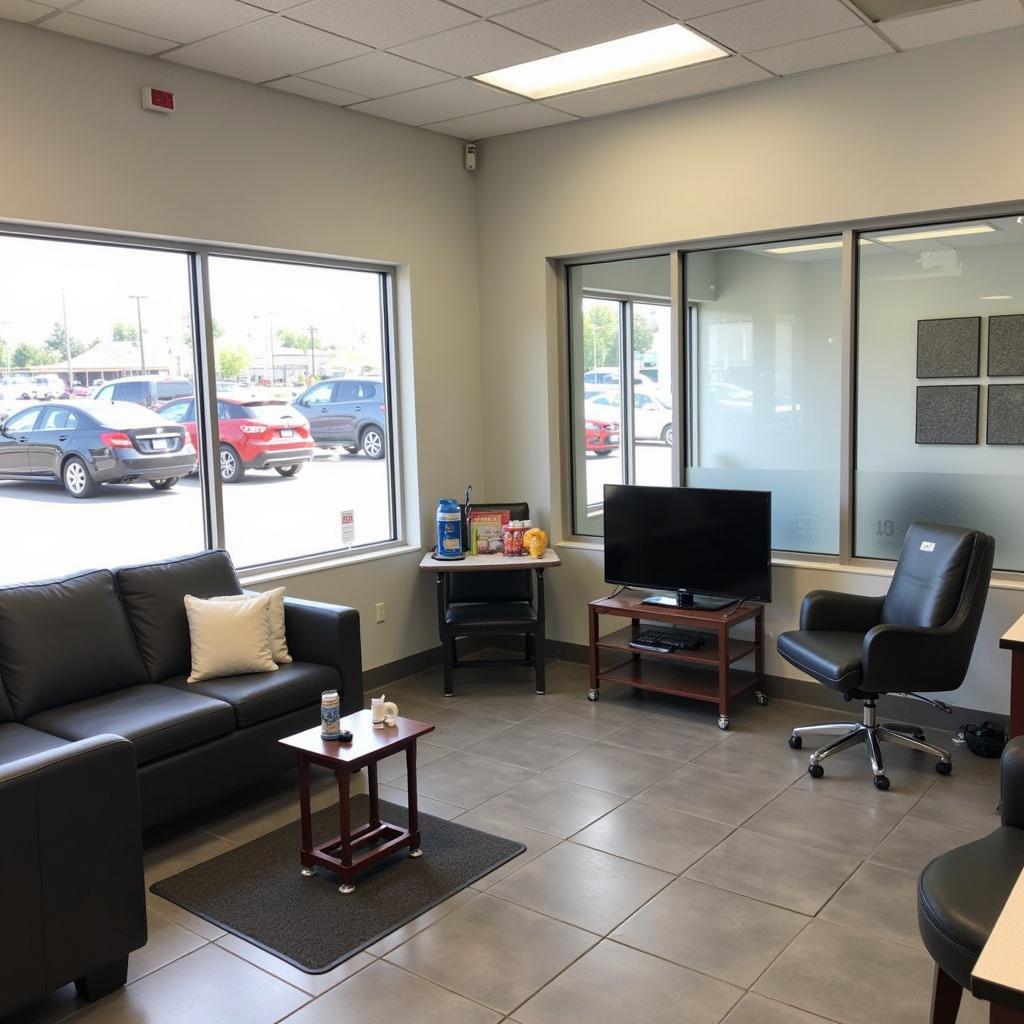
(682, 350)
(198, 255)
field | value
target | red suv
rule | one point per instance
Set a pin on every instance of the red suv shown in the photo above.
(254, 434)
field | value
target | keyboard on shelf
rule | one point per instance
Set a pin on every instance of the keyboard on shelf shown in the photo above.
(667, 641)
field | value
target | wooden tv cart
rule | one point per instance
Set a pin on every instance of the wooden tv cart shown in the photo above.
(704, 674)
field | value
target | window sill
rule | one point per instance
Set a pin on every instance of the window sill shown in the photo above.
(272, 574)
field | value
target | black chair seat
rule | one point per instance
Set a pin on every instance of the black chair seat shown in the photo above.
(516, 616)
(18, 741)
(961, 894)
(831, 657)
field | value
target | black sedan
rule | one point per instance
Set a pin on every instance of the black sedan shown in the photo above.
(84, 444)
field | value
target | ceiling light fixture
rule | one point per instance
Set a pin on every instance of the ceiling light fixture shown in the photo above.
(617, 60)
(994, 298)
(921, 236)
(782, 250)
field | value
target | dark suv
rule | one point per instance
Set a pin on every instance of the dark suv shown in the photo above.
(148, 391)
(347, 412)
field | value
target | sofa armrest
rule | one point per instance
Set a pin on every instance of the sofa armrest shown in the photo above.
(328, 634)
(838, 612)
(1012, 773)
(71, 877)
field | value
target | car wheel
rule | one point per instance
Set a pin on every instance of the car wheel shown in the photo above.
(77, 480)
(163, 485)
(602, 452)
(289, 470)
(372, 443)
(667, 436)
(231, 468)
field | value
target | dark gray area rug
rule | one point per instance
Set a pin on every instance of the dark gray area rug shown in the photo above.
(258, 893)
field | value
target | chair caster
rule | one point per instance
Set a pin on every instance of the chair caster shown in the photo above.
(761, 697)
(593, 694)
(308, 872)
(944, 767)
(723, 722)
(881, 782)
(815, 771)
(796, 742)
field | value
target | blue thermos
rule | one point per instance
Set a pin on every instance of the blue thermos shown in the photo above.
(449, 529)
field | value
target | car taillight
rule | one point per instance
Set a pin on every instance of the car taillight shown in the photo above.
(252, 428)
(116, 439)
(381, 406)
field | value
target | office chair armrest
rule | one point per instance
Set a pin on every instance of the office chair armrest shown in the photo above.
(834, 611)
(902, 659)
(1012, 770)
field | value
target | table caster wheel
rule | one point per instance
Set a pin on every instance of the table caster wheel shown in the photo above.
(944, 767)
(416, 853)
(881, 782)
(723, 722)
(761, 697)
(796, 742)
(308, 872)
(593, 694)
(346, 889)
(815, 771)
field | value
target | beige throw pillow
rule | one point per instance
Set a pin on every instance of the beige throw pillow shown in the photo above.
(229, 637)
(278, 640)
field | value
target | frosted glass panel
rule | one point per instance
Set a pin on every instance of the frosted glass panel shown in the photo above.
(765, 375)
(933, 274)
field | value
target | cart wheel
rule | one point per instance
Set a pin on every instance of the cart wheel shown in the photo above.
(943, 767)
(881, 782)
(308, 872)
(723, 722)
(796, 742)
(815, 771)
(761, 697)
(593, 694)
(346, 889)
(416, 853)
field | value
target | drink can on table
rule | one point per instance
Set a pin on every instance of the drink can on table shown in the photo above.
(330, 715)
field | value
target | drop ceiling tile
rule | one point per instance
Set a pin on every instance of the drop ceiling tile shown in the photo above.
(670, 85)
(822, 52)
(110, 35)
(438, 102)
(381, 23)
(22, 10)
(953, 22)
(767, 23)
(316, 91)
(485, 8)
(266, 49)
(377, 74)
(473, 49)
(683, 9)
(501, 122)
(184, 21)
(570, 24)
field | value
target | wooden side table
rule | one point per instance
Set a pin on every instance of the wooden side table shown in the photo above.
(704, 674)
(368, 747)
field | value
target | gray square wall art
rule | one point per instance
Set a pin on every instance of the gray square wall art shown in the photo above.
(949, 347)
(1005, 414)
(1006, 345)
(947, 414)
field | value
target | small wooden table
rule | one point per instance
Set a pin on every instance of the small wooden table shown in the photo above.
(998, 975)
(367, 747)
(1013, 641)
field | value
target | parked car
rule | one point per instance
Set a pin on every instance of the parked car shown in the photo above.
(77, 391)
(147, 391)
(87, 443)
(652, 415)
(610, 375)
(602, 437)
(347, 412)
(261, 434)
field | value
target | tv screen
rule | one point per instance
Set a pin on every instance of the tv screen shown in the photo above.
(692, 539)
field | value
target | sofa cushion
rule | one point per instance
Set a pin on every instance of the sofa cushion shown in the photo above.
(6, 711)
(154, 596)
(17, 741)
(262, 696)
(158, 720)
(65, 640)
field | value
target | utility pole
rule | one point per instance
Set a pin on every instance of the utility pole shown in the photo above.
(67, 337)
(312, 349)
(3, 344)
(270, 321)
(138, 312)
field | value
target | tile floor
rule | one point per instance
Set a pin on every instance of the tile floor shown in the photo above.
(674, 873)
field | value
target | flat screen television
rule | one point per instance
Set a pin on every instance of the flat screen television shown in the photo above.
(711, 547)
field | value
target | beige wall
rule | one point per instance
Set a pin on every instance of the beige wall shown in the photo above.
(928, 129)
(250, 166)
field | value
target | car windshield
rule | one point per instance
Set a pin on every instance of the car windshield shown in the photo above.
(269, 411)
(122, 415)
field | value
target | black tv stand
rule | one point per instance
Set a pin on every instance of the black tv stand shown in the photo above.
(684, 599)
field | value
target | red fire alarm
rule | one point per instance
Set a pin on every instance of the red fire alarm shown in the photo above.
(159, 100)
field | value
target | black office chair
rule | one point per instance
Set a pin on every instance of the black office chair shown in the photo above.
(961, 893)
(919, 636)
(492, 604)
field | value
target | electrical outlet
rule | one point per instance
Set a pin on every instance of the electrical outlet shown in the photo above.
(380, 611)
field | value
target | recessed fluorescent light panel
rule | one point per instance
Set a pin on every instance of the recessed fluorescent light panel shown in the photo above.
(781, 250)
(922, 236)
(994, 298)
(645, 53)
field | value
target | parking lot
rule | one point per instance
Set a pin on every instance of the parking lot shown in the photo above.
(653, 467)
(267, 517)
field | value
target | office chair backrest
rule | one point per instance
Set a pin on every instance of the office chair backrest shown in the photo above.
(939, 567)
(493, 586)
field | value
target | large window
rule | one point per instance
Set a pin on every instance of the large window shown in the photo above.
(120, 361)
